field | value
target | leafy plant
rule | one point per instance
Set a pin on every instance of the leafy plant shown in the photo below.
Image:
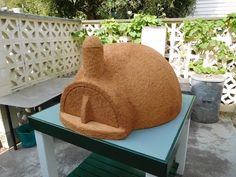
(197, 67)
(139, 21)
(124, 28)
(108, 32)
(79, 35)
(111, 30)
(230, 22)
(202, 34)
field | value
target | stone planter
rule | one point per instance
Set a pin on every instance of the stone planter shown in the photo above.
(208, 91)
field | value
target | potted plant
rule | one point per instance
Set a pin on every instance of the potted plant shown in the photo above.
(138, 22)
(208, 80)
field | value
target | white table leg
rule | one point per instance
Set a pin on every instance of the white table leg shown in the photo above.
(46, 154)
(182, 150)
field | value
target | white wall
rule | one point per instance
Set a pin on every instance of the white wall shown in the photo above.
(214, 8)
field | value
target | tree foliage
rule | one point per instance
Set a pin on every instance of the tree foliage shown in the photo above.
(111, 31)
(203, 36)
(39, 7)
(103, 9)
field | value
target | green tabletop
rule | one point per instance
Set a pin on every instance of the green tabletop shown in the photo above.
(153, 146)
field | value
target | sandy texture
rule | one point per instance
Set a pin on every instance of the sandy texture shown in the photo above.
(120, 87)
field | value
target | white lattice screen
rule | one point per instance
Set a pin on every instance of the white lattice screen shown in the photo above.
(179, 56)
(33, 49)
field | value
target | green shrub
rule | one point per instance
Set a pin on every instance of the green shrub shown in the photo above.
(202, 34)
(197, 67)
(138, 22)
(110, 30)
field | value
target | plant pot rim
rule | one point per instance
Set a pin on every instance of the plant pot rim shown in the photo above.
(208, 77)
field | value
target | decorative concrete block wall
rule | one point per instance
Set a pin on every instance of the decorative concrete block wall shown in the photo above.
(34, 49)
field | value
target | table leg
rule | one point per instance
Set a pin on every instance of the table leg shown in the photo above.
(182, 150)
(11, 126)
(46, 154)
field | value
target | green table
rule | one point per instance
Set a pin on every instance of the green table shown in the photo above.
(151, 150)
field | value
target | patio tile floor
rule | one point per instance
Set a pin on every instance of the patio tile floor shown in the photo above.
(211, 153)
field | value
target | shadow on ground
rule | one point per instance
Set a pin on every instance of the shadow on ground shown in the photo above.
(211, 150)
(211, 153)
(25, 163)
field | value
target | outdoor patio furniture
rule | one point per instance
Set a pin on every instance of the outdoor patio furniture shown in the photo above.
(151, 150)
(31, 97)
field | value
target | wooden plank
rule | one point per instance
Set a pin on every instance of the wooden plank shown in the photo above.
(111, 168)
(205, 6)
(117, 164)
(212, 2)
(99, 166)
(95, 171)
(79, 172)
(208, 8)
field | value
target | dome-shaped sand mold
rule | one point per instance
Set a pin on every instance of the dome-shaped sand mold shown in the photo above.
(119, 88)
